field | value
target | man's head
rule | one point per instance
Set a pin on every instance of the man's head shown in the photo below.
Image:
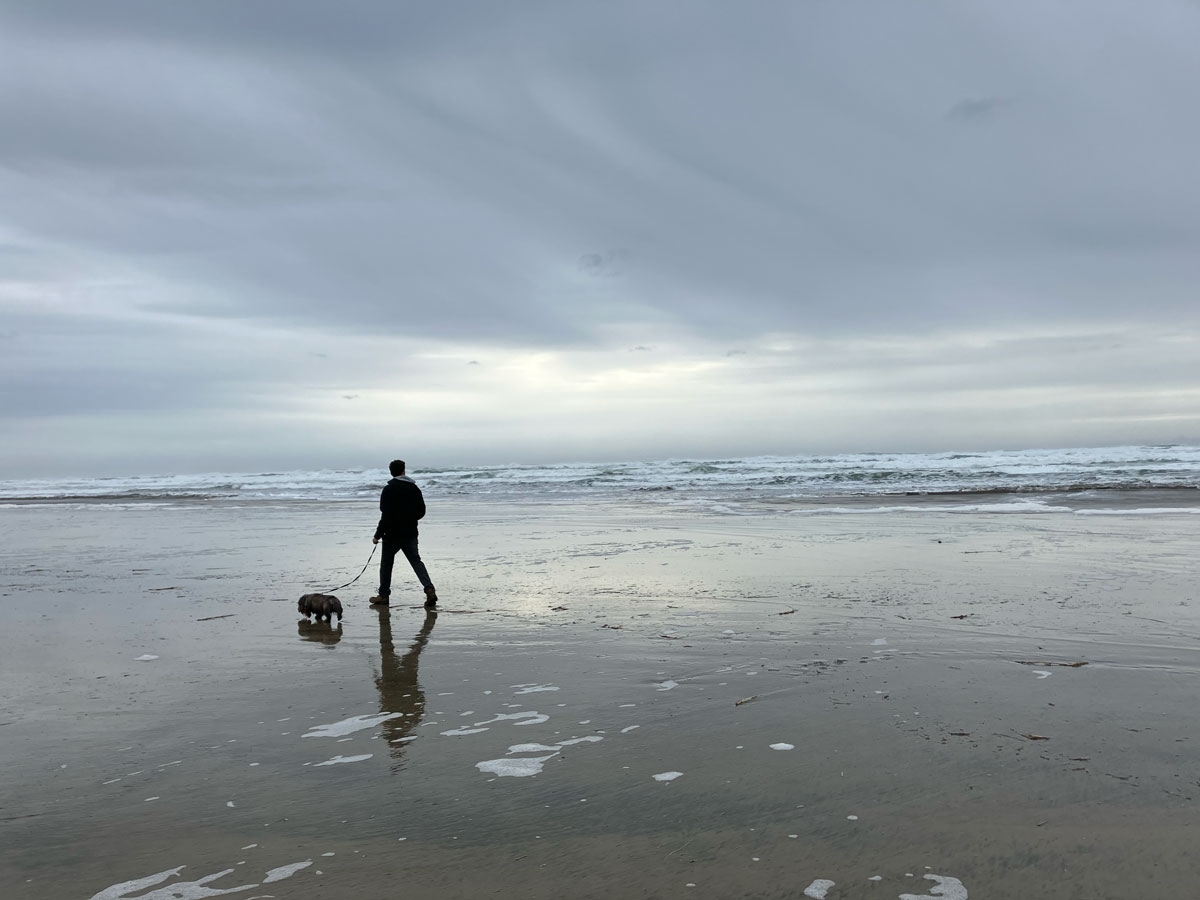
(396, 467)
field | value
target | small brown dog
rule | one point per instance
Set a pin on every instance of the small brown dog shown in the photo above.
(323, 606)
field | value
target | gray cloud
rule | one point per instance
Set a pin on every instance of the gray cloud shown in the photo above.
(973, 109)
(801, 166)
(558, 177)
(308, 28)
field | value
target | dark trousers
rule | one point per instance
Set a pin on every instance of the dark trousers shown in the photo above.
(390, 548)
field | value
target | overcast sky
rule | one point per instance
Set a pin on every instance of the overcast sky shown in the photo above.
(264, 234)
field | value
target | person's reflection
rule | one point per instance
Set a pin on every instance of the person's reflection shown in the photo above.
(399, 691)
(323, 632)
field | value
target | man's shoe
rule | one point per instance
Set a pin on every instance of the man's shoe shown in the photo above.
(430, 598)
(379, 601)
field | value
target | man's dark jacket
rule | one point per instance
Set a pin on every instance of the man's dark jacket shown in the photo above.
(400, 506)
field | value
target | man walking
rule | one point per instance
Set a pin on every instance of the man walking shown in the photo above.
(400, 506)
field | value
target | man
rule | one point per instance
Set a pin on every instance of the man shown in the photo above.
(400, 506)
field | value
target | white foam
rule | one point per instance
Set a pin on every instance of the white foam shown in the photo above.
(947, 888)
(667, 776)
(530, 765)
(783, 746)
(667, 685)
(286, 871)
(191, 890)
(818, 889)
(146, 657)
(1141, 511)
(351, 725)
(515, 768)
(338, 760)
(1041, 673)
(117, 891)
(879, 642)
(528, 717)
(534, 688)
(629, 728)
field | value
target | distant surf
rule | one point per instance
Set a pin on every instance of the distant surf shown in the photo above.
(1117, 480)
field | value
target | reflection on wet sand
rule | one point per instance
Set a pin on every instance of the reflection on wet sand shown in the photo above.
(322, 632)
(399, 691)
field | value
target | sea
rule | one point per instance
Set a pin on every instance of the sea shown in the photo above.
(1134, 480)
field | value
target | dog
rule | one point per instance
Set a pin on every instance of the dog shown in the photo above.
(323, 606)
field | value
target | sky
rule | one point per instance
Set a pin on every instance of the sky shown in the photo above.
(304, 234)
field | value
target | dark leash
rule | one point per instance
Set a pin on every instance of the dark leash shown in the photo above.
(356, 577)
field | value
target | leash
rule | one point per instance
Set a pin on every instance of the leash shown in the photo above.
(356, 577)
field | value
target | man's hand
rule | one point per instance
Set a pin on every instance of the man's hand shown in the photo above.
(374, 540)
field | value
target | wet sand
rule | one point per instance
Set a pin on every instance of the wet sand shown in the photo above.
(867, 699)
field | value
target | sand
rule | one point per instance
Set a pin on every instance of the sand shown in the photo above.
(611, 703)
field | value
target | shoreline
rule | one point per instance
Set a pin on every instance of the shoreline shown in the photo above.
(1079, 500)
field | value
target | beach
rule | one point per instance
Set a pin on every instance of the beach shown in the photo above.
(613, 701)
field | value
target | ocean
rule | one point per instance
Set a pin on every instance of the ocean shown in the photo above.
(1087, 480)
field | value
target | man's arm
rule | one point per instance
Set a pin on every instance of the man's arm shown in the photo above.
(379, 527)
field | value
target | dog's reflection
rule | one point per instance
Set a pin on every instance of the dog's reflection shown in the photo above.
(396, 681)
(322, 632)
